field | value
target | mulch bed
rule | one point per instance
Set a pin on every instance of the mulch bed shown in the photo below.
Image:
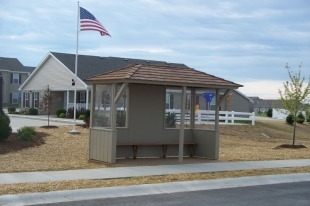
(13, 144)
(49, 127)
(289, 146)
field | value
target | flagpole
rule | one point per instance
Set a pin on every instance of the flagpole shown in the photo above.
(74, 131)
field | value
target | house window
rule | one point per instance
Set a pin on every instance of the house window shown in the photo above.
(82, 97)
(26, 99)
(36, 99)
(14, 99)
(15, 78)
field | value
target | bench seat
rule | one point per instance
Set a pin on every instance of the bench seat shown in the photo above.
(191, 145)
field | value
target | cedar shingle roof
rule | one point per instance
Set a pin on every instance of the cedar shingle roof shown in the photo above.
(163, 75)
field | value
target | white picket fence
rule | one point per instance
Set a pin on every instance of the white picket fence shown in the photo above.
(208, 116)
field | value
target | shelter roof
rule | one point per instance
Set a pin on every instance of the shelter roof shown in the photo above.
(163, 75)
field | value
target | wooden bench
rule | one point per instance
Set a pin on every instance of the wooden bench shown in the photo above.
(192, 146)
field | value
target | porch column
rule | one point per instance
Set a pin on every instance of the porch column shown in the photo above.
(68, 97)
(217, 125)
(181, 134)
(22, 101)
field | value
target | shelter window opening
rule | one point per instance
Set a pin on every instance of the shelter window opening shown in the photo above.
(102, 108)
(173, 108)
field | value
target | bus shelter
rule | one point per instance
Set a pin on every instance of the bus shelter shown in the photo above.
(129, 118)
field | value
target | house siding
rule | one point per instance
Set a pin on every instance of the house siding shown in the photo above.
(9, 87)
(238, 103)
(55, 75)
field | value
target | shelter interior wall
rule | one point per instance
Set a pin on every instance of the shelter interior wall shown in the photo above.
(146, 117)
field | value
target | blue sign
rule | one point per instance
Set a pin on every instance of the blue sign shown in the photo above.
(208, 96)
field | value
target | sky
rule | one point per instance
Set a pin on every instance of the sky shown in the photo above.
(247, 42)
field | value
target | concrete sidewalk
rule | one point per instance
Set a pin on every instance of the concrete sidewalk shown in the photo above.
(137, 171)
(147, 189)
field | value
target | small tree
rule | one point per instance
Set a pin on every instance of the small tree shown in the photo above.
(269, 113)
(46, 102)
(294, 95)
(5, 128)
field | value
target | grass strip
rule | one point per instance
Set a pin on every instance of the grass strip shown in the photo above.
(83, 184)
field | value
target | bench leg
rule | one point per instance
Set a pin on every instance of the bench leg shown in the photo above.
(164, 150)
(135, 150)
(192, 150)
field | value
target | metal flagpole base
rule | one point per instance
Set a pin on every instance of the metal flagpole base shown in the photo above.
(74, 131)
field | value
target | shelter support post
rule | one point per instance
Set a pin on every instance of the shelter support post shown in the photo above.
(224, 97)
(181, 134)
(113, 123)
(217, 124)
(93, 104)
(193, 105)
(120, 92)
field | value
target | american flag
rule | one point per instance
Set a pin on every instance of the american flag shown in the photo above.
(89, 22)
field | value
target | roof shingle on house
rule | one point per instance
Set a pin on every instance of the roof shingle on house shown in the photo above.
(89, 66)
(29, 69)
(11, 64)
(164, 75)
(268, 103)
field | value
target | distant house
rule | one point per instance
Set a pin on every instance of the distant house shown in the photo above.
(234, 101)
(57, 70)
(263, 105)
(14, 73)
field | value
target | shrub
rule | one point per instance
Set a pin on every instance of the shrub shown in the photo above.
(82, 117)
(62, 115)
(60, 111)
(70, 112)
(170, 120)
(5, 128)
(300, 118)
(269, 113)
(11, 110)
(33, 111)
(87, 117)
(26, 133)
(290, 119)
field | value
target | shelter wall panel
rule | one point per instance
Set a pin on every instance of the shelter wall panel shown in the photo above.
(206, 140)
(125, 136)
(101, 145)
(146, 115)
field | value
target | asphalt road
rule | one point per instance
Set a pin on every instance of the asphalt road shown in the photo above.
(297, 194)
